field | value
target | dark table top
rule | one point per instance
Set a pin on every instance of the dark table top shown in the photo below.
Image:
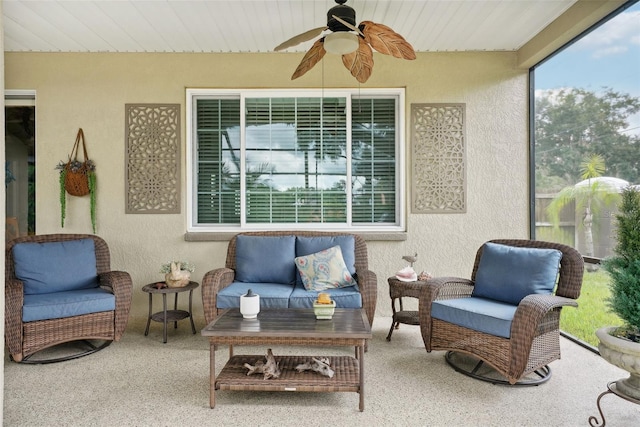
(346, 323)
(152, 289)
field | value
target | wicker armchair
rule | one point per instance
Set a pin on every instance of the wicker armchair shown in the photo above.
(216, 280)
(26, 338)
(534, 340)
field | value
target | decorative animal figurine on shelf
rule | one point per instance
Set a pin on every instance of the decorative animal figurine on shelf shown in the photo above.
(177, 278)
(411, 259)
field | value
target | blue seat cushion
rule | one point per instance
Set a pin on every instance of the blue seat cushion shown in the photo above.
(67, 304)
(349, 297)
(272, 295)
(313, 244)
(265, 259)
(479, 314)
(508, 273)
(56, 266)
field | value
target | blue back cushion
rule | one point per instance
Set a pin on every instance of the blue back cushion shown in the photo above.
(311, 245)
(56, 266)
(508, 273)
(265, 259)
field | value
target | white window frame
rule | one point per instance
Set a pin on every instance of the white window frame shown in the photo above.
(350, 94)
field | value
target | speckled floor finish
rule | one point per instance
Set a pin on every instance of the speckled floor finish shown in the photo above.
(140, 381)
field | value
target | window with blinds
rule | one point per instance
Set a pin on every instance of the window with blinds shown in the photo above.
(312, 159)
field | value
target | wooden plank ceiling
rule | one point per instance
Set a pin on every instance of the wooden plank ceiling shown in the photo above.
(260, 25)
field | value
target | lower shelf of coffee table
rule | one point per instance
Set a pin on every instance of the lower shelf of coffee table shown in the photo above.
(234, 375)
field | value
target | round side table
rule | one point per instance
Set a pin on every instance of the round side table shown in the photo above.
(165, 315)
(397, 290)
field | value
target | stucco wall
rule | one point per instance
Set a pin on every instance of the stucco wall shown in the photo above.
(90, 91)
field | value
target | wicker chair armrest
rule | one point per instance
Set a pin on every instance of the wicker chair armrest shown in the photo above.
(528, 323)
(212, 283)
(13, 301)
(120, 283)
(368, 285)
(532, 309)
(439, 288)
(447, 288)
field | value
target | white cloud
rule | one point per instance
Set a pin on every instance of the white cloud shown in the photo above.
(613, 50)
(614, 37)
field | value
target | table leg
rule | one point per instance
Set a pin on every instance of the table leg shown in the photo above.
(193, 327)
(146, 330)
(212, 375)
(394, 325)
(361, 359)
(175, 307)
(164, 321)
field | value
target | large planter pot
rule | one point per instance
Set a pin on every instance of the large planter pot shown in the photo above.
(623, 354)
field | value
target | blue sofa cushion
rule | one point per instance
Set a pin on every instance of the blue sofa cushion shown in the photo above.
(272, 295)
(265, 259)
(349, 297)
(67, 304)
(508, 274)
(479, 314)
(56, 266)
(324, 270)
(310, 245)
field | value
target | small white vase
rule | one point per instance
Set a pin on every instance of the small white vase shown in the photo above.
(625, 355)
(250, 305)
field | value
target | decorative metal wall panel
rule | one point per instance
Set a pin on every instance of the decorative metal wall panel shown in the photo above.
(438, 158)
(152, 133)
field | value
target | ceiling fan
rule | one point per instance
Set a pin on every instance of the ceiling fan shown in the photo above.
(353, 43)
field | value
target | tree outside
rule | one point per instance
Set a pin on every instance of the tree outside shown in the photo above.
(572, 125)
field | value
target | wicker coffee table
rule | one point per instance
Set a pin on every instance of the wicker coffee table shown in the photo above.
(348, 327)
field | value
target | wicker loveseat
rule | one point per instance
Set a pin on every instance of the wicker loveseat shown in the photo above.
(215, 281)
(60, 288)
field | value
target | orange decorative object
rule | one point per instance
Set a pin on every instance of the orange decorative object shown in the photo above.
(324, 298)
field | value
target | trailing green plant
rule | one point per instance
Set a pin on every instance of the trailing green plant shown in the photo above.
(63, 196)
(92, 201)
(624, 266)
(91, 179)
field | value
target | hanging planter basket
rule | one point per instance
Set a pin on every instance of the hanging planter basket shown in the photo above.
(78, 178)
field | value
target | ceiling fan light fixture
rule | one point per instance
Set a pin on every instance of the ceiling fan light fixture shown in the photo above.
(341, 43)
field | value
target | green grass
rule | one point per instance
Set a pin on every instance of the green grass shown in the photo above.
(592, 312)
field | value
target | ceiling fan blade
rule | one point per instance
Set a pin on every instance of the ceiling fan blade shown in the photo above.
(385, 40)
(360, 62)
(348, 25)
(311, 58)
(301, 38)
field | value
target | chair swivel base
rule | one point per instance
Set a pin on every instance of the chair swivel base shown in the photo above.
(475, 368)
(67, 351)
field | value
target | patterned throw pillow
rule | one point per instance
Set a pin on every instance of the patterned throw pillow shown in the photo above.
(324, 270)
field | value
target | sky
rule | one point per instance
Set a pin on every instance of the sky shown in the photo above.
(607, 57)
